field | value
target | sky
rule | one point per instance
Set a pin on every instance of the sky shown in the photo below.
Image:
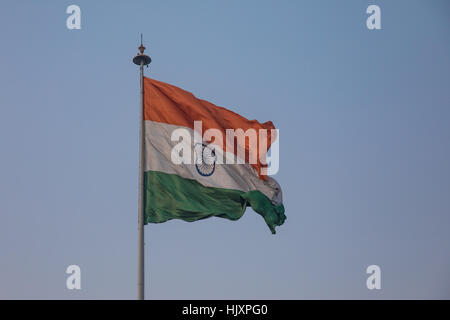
(364, 148)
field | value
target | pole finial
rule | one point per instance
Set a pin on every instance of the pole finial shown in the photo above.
(141, 57)
(141, 47)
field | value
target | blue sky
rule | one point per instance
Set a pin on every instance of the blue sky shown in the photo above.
(364, 147)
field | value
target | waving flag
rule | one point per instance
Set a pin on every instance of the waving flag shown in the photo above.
(205, 186)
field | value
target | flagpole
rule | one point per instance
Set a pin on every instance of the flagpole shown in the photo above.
(141, 60)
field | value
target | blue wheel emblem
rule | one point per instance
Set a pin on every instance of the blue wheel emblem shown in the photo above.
(205, 161)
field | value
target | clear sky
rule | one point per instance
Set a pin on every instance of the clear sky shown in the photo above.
(364, 147)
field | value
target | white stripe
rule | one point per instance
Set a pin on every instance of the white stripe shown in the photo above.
(243, 177)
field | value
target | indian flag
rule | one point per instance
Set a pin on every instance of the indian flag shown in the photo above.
(218, 180)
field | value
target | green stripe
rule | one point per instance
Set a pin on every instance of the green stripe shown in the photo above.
(169, 196)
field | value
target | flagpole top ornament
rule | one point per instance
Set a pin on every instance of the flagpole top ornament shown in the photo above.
(141, 57)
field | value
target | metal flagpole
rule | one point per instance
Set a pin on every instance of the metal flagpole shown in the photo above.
(141, 60)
